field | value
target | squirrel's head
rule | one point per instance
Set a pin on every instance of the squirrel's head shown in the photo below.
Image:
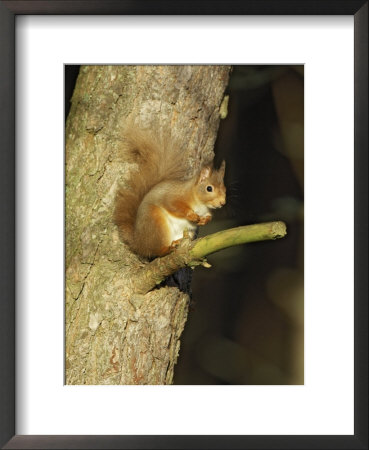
(210, 186)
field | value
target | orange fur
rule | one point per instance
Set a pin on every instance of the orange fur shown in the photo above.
(157, 161)
(159, 203)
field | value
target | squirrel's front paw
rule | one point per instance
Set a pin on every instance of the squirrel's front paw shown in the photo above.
(193, 217)
(204, 220)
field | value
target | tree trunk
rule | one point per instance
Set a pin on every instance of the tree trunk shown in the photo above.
(114, 335)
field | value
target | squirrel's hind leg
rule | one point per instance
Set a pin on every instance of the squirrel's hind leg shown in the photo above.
(152, 231)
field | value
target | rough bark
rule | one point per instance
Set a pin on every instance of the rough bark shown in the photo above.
(114, 336)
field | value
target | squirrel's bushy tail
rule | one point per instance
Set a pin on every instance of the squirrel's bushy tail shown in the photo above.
(158, 159)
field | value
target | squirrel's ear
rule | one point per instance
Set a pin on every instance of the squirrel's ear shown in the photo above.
(204, 174)
(222, 168)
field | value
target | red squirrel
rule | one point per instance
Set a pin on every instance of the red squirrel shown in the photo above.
(160, 204)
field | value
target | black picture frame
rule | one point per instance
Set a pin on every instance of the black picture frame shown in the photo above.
(8, 11)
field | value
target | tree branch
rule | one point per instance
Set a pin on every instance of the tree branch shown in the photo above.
(193, 253)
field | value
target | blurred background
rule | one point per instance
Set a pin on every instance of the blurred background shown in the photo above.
(246, 322)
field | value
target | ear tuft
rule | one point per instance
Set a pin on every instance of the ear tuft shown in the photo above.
(222, 168)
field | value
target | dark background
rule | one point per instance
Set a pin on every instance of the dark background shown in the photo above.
(246, 320)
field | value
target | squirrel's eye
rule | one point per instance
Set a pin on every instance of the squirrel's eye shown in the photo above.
(209, 188)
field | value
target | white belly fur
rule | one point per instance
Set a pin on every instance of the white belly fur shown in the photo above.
(201, 210)
(177, 227)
